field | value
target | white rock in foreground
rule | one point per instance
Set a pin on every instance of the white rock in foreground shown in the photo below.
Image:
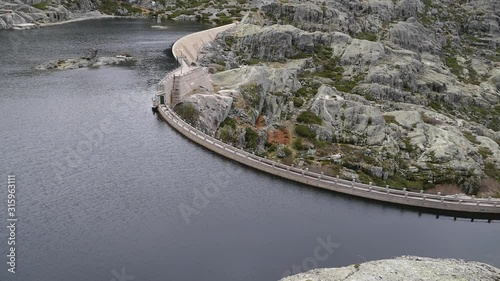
(404, 268)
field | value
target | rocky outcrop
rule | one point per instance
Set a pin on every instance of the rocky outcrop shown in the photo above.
(411, 35)
(404, 268)
(347, 120)
(18, 15)
(211, 110)
(404, 93)
(87, 61)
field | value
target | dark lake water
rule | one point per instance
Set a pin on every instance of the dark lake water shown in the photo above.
(104, 187)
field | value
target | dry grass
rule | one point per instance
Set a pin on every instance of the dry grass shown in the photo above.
(489, 187)
(446, 189)
(279, 136)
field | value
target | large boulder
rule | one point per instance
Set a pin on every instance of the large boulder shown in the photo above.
(404, 268)
(211, 109)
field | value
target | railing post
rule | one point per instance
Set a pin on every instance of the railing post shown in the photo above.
(387, 189)
(352, 183)
(370, 186)
(320, 175)
(459, 202)
(336, 179)
(406, 192)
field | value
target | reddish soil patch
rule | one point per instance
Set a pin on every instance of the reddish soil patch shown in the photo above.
(260, 122)
(281, 136)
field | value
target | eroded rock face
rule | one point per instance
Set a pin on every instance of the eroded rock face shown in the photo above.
(347, 120)
(211, 110)
(411, 35)
(404, 268)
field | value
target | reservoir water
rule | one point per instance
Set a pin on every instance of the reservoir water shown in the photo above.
(106, 189)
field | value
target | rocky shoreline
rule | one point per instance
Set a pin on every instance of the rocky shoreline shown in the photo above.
(409, 268)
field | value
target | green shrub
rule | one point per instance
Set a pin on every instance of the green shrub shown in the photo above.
(227, 135)
(298, 102)
(288, 152)
(231, 122)
(309, 117)
(454, 66)
(298, 144)
(187, 112)
(347, 86)
(271, 147)
(369, 97)
(305, 131)
(251, 137)
(491, 170)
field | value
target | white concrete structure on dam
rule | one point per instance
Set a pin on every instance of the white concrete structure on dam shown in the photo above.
(188, 78)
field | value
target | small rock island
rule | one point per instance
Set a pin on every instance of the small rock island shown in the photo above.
(89, 60)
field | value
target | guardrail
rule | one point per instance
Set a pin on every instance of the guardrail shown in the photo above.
(385, 194)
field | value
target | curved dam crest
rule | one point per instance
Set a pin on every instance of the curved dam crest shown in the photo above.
(187, 77)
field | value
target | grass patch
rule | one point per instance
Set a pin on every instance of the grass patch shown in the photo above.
(485, 152)
(41, 6)
(390, 119)
(469, 136)
(347, 86)
(366, 36)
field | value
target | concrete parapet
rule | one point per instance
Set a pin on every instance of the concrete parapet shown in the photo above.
(489, 207)
(190, 45)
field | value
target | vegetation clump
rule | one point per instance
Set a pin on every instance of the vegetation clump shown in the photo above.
(251, 137)
(309, 117)
(187, 112)
(305, 131)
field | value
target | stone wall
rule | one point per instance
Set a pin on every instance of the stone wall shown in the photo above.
(187, 83)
